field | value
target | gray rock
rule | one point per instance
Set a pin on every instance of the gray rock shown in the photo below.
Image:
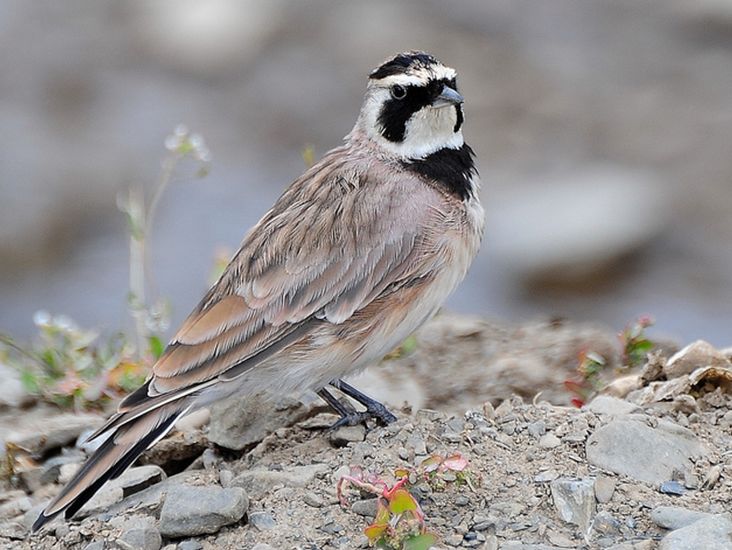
(605, 404)
(238, 423)
(190, 511)
(347, 434)
(605, 524)
(13, 530)
(366, 507)
(189, 545)
(262, 521)
(647, 454)
(150, 500)
(96, 545)
(491, 542)
(647, 544)
(15, 507)
(132, 521)
(313, 500)
(518, 545)
(695, 355)
(262, 546)
(675, 517)
(258, 482)
(604, 488)
(136, 479)
(52, 467)
(146, 538)
(546, 476)
(672, 487)
(12, 494)
(419, 446)
(549, 441)
(51, 430)
(536, 429)
(574, 500)
(226, 477)
(710, 533)
(130, 482)
(568, 205)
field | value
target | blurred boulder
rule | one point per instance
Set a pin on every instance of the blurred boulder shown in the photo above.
(207, 38)
(571, 228)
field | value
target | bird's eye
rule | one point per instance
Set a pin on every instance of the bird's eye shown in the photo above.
(398, 92)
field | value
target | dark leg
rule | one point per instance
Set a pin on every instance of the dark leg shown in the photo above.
(374, 409)
(343, 409)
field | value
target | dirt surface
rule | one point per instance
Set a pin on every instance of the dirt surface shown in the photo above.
(541, 474)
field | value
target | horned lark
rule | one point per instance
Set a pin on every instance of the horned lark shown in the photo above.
(355, 255)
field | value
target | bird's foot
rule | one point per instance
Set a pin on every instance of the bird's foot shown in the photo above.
(349, 415)
(378, 412)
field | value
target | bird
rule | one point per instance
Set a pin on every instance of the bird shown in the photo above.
(353, 257)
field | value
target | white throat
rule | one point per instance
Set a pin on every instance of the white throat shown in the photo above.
(427, 131)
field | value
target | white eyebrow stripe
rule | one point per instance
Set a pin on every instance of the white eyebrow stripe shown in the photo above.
(418, 76)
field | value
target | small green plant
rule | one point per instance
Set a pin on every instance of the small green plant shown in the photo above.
(587, 382)
(151, 315)
(71, 367)
(75, 368)
(635, 346)
(400, 523)
(407, 347)
(635, 343)
(438, 471)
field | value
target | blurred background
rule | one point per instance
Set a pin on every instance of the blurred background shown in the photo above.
(602, 129)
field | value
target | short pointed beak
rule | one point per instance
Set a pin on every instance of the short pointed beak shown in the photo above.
(448, 96)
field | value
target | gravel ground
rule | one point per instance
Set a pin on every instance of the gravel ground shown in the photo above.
(649, 469)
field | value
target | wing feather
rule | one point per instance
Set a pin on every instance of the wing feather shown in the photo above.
(324, 251)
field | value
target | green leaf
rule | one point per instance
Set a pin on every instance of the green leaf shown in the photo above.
(401, 472)
(382, 514)
(409, 345)
(376, 531)
(401, 501)
(156, 346)
(425, 541)
(30, 382)
(431, 463)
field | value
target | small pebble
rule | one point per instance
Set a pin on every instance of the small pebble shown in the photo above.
(140, 539)
(675, 517)
(672, 488)
(366, 508)
(347, 434)
(537, 429)
(262, 521)
(332, 528)
(549, 441)
(604, 488)
(311, 499)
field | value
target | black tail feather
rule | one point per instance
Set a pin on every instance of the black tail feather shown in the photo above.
(112, 473)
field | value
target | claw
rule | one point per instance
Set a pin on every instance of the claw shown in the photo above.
(349, 415)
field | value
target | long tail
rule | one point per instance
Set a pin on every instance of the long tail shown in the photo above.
(132, 432)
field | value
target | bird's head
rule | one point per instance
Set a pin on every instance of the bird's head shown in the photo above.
(412, 106)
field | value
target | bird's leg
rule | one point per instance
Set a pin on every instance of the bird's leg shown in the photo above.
(374, 409)
(344, 409)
